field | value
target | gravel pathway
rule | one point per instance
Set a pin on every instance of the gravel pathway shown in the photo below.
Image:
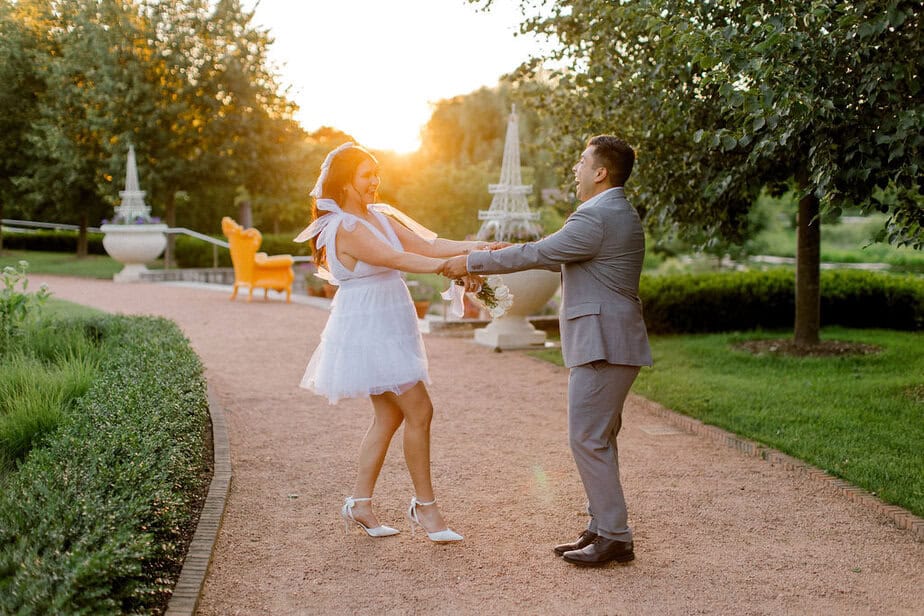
(717, 532)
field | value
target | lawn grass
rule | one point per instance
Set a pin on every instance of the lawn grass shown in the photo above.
(62, 263)
(860, 418)
(64, 309)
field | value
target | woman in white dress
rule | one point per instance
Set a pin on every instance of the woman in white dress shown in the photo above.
(371, 345)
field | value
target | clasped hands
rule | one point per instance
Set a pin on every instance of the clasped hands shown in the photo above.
(456, 268)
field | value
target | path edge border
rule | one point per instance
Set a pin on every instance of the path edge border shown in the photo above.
(185, 598)
(902, 518)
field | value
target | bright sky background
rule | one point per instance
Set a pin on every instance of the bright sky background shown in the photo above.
(371, 68)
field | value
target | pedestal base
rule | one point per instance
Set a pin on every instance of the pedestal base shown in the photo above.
(130, 273)
(509, 333)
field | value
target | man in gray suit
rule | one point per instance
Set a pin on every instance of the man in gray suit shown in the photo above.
(599, 251)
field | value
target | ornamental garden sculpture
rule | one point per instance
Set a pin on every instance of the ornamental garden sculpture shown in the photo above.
(133, 237)
(509, 218)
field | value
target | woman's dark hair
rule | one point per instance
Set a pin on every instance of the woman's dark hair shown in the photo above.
(340, 176)
(614, 155)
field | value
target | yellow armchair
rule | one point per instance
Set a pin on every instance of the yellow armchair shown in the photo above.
(254, 269)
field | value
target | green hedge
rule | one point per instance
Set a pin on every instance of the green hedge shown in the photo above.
(52, 241)
(191, 252)
(698, 303)
(95, 521)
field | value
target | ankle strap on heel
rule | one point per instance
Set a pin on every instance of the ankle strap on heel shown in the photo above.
(350, 501)
(417, 502)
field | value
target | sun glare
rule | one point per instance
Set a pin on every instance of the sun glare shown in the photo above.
(392, 124)
(371, 68)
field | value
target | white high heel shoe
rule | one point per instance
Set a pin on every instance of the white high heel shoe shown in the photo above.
(442, 536)
(346, 512)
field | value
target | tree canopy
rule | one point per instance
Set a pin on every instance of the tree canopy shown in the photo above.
(187, 82)
(723, 98)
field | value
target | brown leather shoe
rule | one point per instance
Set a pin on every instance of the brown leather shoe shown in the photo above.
(583, 541)
(600, 552)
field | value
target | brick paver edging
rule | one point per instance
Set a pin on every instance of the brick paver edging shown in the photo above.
(902, 518)
(185, 598)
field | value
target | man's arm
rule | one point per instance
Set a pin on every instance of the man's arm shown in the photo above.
(578, 240)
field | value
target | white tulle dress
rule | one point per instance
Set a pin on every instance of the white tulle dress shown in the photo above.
(371, 343)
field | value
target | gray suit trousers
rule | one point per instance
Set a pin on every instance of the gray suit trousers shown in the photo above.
(596, 393)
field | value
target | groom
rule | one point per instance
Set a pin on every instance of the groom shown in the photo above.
(599, 250)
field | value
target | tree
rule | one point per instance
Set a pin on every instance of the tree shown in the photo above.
(20, 35)
(446, 198)
(462, 147)
(726, 97)
(187, 82)
(67, 140)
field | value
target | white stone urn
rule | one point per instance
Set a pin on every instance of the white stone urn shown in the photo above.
(134, 245)
(531, 290)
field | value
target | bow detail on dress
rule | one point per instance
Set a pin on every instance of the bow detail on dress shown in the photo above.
(421, 231)
(322, 224)
(455, 295)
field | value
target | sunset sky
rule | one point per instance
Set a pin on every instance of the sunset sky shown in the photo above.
(371, 68)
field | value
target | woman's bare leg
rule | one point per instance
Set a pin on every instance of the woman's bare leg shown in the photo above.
(418, 412)
(385, 422)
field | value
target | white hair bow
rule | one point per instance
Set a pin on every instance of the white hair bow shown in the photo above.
(325, 167)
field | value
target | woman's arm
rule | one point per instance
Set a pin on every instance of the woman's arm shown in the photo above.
(360, 244)
(441, 247)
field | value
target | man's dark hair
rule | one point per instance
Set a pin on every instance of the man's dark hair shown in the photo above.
(615, 155)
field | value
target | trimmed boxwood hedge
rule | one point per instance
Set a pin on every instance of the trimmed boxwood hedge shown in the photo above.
(188, 251)
(737, 301)
(52, 241)
(191, 252)
(96, 520)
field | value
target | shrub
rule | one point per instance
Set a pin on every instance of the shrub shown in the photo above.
(699, 303)
(17, 306)
(192, 252)
(52, 241)
(95, 520)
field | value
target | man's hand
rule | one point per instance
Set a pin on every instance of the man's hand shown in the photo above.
(471, 282)
(455, 267)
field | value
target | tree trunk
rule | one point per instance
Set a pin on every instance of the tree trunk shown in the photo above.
(170, 219)
(244, 213)
(1, 227)
(82, 237)
(808, 262)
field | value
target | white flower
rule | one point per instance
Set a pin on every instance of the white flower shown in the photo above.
(495, 296)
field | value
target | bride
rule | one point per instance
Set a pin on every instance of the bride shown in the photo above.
(371, 345)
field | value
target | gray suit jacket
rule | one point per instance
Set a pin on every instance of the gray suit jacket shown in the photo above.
(599, 251)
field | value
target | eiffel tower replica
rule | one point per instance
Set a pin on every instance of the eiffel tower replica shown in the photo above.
(509, 217)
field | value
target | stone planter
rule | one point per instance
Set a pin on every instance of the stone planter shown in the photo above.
(531, 290)
(134, 246)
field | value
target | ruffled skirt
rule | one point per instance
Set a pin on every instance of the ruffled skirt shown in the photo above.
(371, 343)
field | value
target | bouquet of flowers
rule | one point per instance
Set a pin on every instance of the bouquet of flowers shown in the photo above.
(494, 296)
